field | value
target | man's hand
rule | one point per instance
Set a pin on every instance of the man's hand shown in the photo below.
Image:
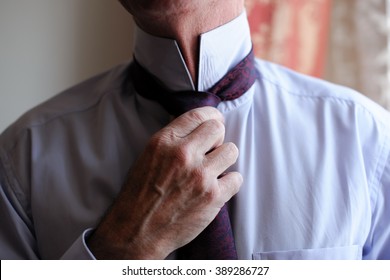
(174, 190)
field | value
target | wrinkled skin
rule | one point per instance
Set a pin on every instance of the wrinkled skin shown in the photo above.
(175, 188)
(173, 191)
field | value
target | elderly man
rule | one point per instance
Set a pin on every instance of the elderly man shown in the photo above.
(137, 164)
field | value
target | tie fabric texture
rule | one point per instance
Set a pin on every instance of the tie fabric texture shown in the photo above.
(216, 242)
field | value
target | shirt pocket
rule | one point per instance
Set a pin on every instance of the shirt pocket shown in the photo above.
(353, 252)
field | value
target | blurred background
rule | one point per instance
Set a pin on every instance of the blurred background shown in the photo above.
(47, 46)
(343, 41)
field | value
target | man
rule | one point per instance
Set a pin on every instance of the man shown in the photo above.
(100, 171)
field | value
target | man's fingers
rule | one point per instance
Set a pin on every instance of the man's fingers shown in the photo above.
(207, 136)
(221, 158)
(189, 121)
(230, 184)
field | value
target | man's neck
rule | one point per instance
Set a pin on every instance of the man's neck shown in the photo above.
(186, 21)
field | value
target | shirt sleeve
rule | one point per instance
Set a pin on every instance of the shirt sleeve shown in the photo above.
(17, 238)
(79, 249)
(16, 233)
(378, 242)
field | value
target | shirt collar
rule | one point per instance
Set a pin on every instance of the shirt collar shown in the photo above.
(220, 50)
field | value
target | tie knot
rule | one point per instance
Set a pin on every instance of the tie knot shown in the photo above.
(234, 84)
(177, 103)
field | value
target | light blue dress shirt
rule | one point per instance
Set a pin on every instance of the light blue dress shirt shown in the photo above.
(315, 158)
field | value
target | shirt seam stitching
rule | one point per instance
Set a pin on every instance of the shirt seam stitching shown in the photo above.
(56, 116)
(326, 98)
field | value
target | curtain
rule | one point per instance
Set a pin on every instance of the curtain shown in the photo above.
(344, 41)
(291, 32)
(359, 55)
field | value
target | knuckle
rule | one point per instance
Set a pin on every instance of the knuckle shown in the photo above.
(203, 186)
(183, 154)
(232, 150)
(232, 183)
(199, 178)
(238, 182)
(210, 194)
(163, 139)
(156, 141)
(177, 152)
(197, 115)
(204, 113)
(216, 126)
(210, 197)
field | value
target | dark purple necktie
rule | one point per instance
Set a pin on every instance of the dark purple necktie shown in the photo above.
(216, 242)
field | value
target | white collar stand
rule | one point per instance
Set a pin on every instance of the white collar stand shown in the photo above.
(220, 50)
